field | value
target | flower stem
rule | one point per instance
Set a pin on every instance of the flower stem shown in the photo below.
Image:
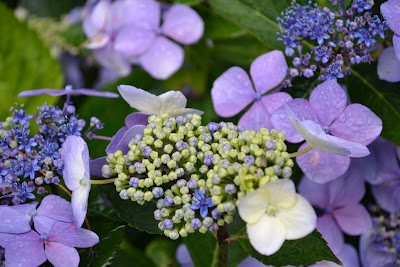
(222, 236)
(295, 154)
(236, 237)
(100, 137)
(64, 189)
(105, 181)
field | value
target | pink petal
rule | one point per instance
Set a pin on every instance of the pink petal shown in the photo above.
(139, 13)
(316, 194)
(330, 232)
(13, 220)
(183, 24)
(96, 166)
(353, 219)
(232, 92)
(348, 188)
(268, 71)
(133, 41)
(274, 101)
(61, 255)
(256, 117)
(162, 59)
(328, 100)
(320, 166)
(391, 12)
(55, 207)
(388, 195)
(137, 118)
(70, 235)
(357, 123)
(112, 146)
(111, 59)
(387, 163)
(389, 65)
(281, 121)
(24, 250)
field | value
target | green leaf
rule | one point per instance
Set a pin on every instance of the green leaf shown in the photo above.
(138, 216)
(97, 206)
(161, 251)
(50, 8)
(25, 64)
(203, 249)
(236, 254)
(129, 255)
(383, 98)
(217, 27)
(74, 34)
(307, 250)
(188, 2)
(258, 17)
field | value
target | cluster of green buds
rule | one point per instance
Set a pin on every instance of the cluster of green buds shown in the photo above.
(197, 174)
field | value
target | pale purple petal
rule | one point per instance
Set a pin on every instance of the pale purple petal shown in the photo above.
(251, 262)
(232, 92)
(60, 92)
(70, 235)
(388, 195)
(128, 136)
(387, 163)
(330, 232)
(320, 166)
(367, 166)
(96, 166)
(353, 219)
(55, 207)
(370, 256)
(274, 101)
(43, 224)
(163, 58)
(316, 194)
(281, 121)
(61, 255)
(24, 250)
(391, 12)
(137, 118)
(112, 146)
(348, 188)
(183, 24)
(97, 25)
(79, 201)
(389, 65)
(357, 123)
(183, 256)
(133, 41)
(348, 256)
(16, 219)
(256, 117)
(111, 59)
(268, 71)
(328, 100)
(396, 45)
(140, 13)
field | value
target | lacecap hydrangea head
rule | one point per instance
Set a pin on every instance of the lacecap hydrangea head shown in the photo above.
(196, 174)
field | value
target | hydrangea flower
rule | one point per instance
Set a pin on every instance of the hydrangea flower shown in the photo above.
(76, 175)
(391, 12)
(130, 32)
(202, 203)
(337, 205)
(275, 213)
(233, 91)
(326, 110)
(389, 65)
(67, 91)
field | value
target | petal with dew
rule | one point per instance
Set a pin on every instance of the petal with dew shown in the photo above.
(266, 235)
(24, 250)
(232, 92)
(330, 232)
(274, 101)
(316, 194)
(268, 71)
(43, 224)
(183, 24)
(353, 219)
(389, 66)
(252, 207)
(79, 201)
(140, 99)
(328, 100)
(162, 59)
(13, 220)
(61, 255)
(281, 193)
(55, 207)
(136, 118)
(299, 220)
(281, 121)
(391, 12)
(133, 41)
(139, 13)
(70, 235)
(256, 117)
(320, 166)
(357, 123)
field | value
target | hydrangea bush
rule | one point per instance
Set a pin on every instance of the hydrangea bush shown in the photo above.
(278, 144)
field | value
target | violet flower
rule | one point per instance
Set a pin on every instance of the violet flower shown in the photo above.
(327, 109)
(389, 65)
(202, 203)
(76, 173)
(337, 205)
(67, 91)
(233, 91)
(391, 12)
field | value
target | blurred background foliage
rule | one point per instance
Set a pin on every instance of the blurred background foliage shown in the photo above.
(36, 51)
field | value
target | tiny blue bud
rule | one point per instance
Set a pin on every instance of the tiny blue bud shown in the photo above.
(158, 192)
(192, 184)
(157, 215)
(180, 145)
(208, 160)
(249, 160)
(215, 214)
(214, 227)
(168, 201)
(168, 224)
(134, 182)
(212, 127)
(230, 189)
(146, 151)
(196, 223)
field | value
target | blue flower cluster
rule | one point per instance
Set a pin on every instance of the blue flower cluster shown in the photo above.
(340, 37)
(28, 162)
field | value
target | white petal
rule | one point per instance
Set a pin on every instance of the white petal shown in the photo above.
(185, 111)
(253, 206)
(79, 201)
(282, 193)
(171, 101)
(267, 235)
(299, 220)
(140, 99)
